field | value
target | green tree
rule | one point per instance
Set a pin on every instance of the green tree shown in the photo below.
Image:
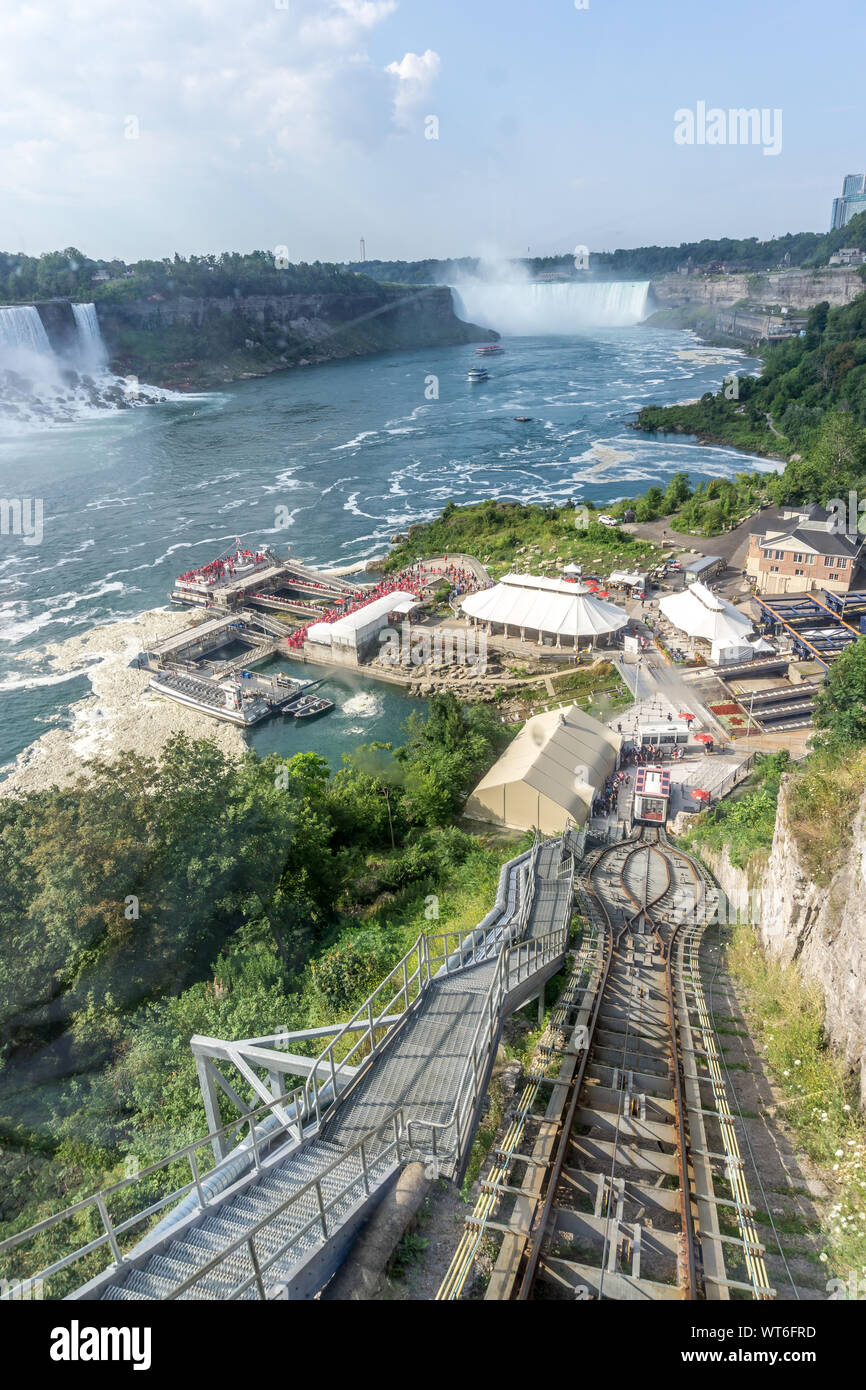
(840, 706)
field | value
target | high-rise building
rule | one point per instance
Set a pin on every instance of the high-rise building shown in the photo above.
(852, 201)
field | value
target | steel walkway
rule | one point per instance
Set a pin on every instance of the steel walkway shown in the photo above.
(422, 1068)
(312, 1173)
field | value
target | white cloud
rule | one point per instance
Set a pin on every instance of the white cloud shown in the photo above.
(208, 80)
(415, 74)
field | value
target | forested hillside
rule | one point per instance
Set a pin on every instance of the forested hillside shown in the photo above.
(153, 901)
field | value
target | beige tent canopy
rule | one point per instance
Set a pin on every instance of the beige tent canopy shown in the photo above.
(549, 775)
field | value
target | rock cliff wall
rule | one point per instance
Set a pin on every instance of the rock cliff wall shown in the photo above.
(190, 341)
(820, 927)
(795, 289)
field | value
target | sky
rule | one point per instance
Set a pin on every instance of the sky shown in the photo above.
(429, 127)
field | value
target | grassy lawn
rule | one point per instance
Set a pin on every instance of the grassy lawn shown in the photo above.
(509, 536)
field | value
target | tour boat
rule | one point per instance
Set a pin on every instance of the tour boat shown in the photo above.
(476, 374)
(489, 349)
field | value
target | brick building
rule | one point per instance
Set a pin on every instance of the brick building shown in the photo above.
(804, 554)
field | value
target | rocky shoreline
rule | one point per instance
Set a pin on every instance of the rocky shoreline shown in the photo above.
(121, 713)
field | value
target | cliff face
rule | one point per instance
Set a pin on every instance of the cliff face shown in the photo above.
(795, 289)
(184, 341)
(821, 927)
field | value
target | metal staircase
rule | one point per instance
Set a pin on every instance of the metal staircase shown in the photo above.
(403, 1079)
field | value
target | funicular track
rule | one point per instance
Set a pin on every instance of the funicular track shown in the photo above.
(616, 1192)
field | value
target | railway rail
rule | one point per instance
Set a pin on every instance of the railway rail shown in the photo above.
(620, 1176)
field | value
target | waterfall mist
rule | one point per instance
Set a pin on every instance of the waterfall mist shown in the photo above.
(54, 366)
(529, 308)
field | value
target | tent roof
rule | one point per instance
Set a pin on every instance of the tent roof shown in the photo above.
(545, 605)
(397, 602)
(565, 755)
(701, 613)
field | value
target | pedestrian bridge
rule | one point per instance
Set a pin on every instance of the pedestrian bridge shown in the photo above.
(268, 1205)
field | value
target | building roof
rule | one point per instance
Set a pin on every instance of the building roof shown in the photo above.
(815, 538)
(703, 562)
(566, 755)
(373, 613)
(632, 577)
(652, 781)
(545, 605)
(703, 614)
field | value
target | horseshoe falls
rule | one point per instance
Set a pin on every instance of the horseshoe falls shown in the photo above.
(530, 309)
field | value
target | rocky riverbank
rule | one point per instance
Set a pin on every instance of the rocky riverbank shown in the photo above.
(121, 713)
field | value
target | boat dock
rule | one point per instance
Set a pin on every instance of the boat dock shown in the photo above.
(207, 665)
(243, 698)
(237, 578)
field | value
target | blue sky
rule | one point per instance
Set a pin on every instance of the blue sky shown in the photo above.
(301, 123)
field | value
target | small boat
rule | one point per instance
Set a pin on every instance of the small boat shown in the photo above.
(311, 705)
(523, 419)
(489, 350)
(476, 374)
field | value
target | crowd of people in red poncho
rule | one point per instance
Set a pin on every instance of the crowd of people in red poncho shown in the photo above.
(404, 581)
(412, 580)
(216, 570)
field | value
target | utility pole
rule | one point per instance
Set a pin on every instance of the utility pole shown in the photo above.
(363, 250)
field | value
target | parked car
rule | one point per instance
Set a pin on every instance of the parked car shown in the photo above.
(605, 520)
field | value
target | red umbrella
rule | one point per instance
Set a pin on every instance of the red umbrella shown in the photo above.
(703, 738)
(602, 593)
(699, 794)
(687, 714)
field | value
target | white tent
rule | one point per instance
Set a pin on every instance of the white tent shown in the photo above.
(355, 629)
(531, 602)
(700, 613)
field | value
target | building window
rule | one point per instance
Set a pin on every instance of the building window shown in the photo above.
(796, 572)
(768, 554)
(832, 576)
(842, 563)
(774, 569)
(810, 559)
(780, 554)
(798, 559)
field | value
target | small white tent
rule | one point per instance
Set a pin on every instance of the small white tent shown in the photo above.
(700, 613)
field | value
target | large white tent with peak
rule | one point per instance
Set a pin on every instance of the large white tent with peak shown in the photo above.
(522, 603)
(701, 613)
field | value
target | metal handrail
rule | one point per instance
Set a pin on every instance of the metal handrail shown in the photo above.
(299, 1097)
(474, 1068)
